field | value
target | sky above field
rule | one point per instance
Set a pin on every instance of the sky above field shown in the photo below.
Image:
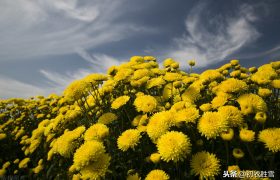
(44, 45)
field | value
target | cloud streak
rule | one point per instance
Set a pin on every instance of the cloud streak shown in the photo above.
(217, 38)
(32, 29)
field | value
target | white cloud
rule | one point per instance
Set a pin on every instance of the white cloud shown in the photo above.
(98, 63)
(13, 88)
(38, 28)
(227, 36)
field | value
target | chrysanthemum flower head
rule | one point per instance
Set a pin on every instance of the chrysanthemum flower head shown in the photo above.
(88, 152)
(107, 118)
(264, 92)
(232, 114)
(238, 153)
(211, 124)
(96, 169)
(174, 146)
(65, 145)
(155, 82)
(145, 103)
(155, 158)
(187, 115)
(231, 85)
(96, 132)
(159, 124)
(247, 135)
(120, 101)
(205, 164)
(227, 135)
(271, 138)
(260, 117)
(157, 174)
(251, 103)
(129, 139)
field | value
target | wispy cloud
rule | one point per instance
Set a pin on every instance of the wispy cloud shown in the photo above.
(13, 88)
(98, 63)
(218, 37)
(37, 28)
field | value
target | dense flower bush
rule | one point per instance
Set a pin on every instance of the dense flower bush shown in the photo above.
(142, 121)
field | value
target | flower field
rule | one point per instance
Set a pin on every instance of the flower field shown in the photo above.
(141, 121)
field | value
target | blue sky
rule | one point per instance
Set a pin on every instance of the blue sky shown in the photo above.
(44, 45)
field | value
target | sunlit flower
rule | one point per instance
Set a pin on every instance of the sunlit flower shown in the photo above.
(129, 139)
(238, 153)
(232, 114)
(211, 124)
(251, 103)
(247, 135)
(120, 101)
(97, 169)
(157, 174)
(227, 135)
(155, 158)
(107, 118)
(88, 152)
(260, 117)
(96, 132)
(24, 163)
(174, 146)
(263, 92)
(271, 138)
(205, 165)
(145, 103)
(159, 124)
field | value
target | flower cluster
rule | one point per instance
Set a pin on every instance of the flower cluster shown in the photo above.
(141, 121)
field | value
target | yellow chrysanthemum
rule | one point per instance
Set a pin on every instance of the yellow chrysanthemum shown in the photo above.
(205, 164)
(120, 101)
(169, 76)
(231, 85)
(264, 75)
(96, 132)
(157, 174)
(107, 118)
(155, 82)
(238, 153)
(260, 117)
(159, 124)
(187, 115)
(174, 146)
(211, 124)
(129, 139)
(149, 58)
(220, 100)
(251, 103)
(145, 103)
(155, 158)
(227, 135)
(88, 152)
(97, 169)
(233, 168)
(247, 135)
(24, 163)
(232, 114)
(205, 107)
(271, 138)
(65, 144)
(211, 75)
(140, 73)
(134, 176)
(275, 83)
(76, 89)
(263, 92)
(191, 94)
